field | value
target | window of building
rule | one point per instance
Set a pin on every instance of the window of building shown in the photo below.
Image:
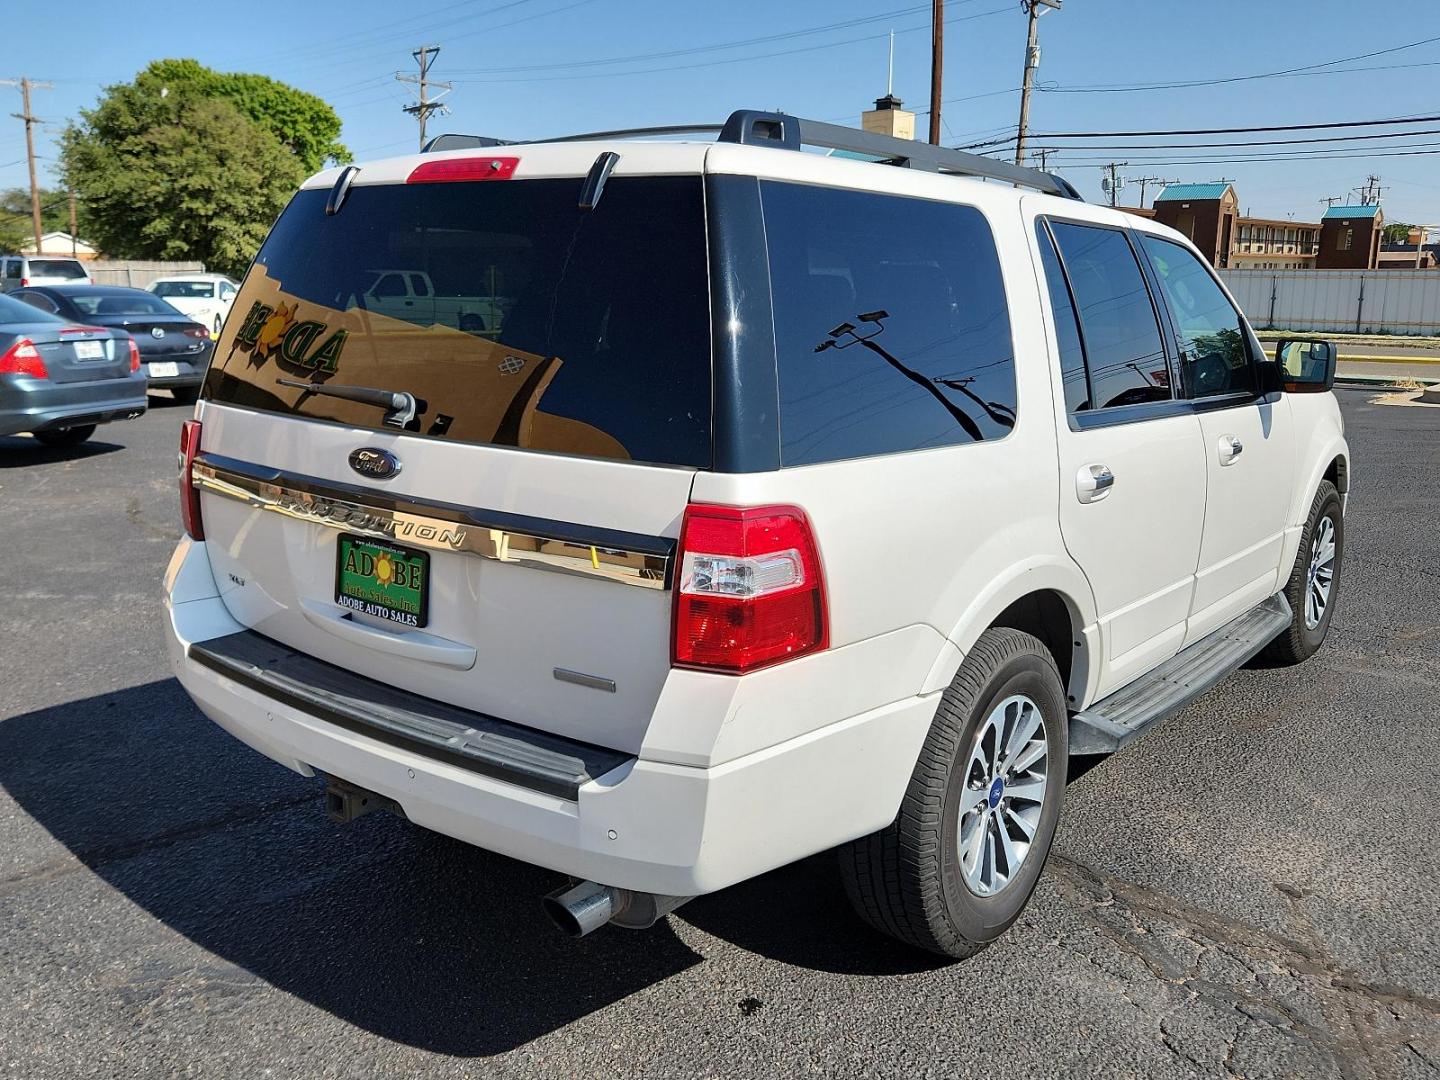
(892, 331)
(1346, 239)
(1214, 355)
(1124, 353)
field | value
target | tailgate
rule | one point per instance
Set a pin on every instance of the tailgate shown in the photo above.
(546, 595)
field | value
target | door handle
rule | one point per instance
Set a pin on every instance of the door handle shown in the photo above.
(1093, 482)
(1230, 448)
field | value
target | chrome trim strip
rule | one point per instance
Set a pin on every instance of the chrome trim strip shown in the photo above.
(441, 526)
(579, 678)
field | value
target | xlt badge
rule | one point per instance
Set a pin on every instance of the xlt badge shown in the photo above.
(372, 462)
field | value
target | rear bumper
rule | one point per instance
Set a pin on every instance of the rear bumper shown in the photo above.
(40, 405)
(644, 825)
(190, 370)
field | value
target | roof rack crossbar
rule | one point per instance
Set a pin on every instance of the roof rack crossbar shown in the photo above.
(782, 131)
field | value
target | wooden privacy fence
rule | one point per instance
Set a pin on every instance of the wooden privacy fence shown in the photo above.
(137, 273)
(1348, 301)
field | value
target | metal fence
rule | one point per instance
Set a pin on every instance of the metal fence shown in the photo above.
(137, 273)
(1348, 301)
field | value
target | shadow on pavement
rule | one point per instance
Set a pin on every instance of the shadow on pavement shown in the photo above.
(21, 451)
(404, 933)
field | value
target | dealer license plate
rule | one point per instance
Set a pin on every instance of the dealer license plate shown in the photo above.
(164, 369)
(382, 580)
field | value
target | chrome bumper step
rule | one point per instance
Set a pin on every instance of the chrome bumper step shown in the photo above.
(1118, 720)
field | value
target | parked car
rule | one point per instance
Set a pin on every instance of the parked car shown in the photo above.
(801, 503)
(18, 271)
(173, 347)
(59, 380)
(206, 298)
(411, 297)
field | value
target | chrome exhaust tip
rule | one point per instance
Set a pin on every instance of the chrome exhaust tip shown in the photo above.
(584, 908)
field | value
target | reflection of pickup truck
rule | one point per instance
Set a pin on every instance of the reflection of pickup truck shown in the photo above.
(410, 295)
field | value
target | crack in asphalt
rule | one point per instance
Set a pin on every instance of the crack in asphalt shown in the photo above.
(1294, 988)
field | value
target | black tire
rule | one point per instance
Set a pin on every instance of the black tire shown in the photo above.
(186, 395)
(907, 880)
(1298, 642)
(70, 436)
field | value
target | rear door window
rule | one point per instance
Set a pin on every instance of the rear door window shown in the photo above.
(891, 326)
(1124, 352)
(68, 269)
(563, 330)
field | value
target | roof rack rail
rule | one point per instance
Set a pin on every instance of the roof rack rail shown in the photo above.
(784, 132)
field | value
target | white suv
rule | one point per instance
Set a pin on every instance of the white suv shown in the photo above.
(796, 503)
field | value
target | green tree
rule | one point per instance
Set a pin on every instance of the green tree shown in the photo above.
(177, 175)
(1397, 232)
(304, 123)
(15, 227)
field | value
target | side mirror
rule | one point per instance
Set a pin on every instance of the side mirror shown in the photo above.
(1306, 365)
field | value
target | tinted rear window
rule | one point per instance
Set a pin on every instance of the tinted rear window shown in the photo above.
(517, 318)
(135, 302)
(57, 268)
(17, 311)
(891, 326)
(186, 290)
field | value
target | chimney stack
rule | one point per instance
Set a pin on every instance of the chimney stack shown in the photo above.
(889, 118)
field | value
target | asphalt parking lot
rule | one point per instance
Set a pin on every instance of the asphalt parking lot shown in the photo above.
(1249, 891)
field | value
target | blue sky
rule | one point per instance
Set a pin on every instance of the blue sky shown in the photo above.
(527, 68)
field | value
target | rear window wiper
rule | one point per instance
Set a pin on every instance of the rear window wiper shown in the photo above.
(401, 407)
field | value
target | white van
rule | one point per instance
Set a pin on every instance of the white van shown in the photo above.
(799, 503)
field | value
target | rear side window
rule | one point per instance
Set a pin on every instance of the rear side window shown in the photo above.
(12, 269)
(1067, 327)
(1214, 358)
(13, 310)
(891, 326)
(534, 323)
(1124, 353)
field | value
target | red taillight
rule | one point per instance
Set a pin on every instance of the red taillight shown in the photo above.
(189, 497)
(134, 355)
(23, 358)
(24, 282)
(456, 170)
(750, 591)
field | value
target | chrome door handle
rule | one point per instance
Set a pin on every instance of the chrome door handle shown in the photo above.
(1230, 448)
(1093, 482)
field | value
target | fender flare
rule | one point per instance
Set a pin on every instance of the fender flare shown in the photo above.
(1059, 575)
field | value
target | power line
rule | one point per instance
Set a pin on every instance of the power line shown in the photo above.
(1124, 88)
(1236, 130)
(1260, 142)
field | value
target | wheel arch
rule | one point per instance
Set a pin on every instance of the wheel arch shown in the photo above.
(1051, 600)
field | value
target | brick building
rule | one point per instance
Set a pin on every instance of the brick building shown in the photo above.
(1350, 238)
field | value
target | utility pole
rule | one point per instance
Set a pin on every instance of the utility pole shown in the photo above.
(427, 105)
(1145, 181)
(74, 233)
(1033, 10)
(1370, 193)
(1330, 200)
(1043, 153)
(937, 66)
(26, 85)
(1116, 181)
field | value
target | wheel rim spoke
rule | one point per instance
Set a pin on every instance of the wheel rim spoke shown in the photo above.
(1002, 795)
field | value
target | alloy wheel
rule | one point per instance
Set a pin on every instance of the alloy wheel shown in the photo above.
(1005, 780)
(1320, 577)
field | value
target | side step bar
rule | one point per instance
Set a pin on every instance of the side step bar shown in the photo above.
(1118, 720)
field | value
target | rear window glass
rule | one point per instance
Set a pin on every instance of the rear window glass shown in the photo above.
(516, 318)
(17, 311)
(133, 302)
(891, 327)
(61, 268)
(186, 290)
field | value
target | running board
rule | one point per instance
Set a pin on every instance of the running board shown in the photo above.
(1118, 720)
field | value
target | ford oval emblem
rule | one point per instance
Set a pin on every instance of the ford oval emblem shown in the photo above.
(374, 463)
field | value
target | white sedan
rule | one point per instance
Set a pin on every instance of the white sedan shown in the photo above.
(206, 298)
